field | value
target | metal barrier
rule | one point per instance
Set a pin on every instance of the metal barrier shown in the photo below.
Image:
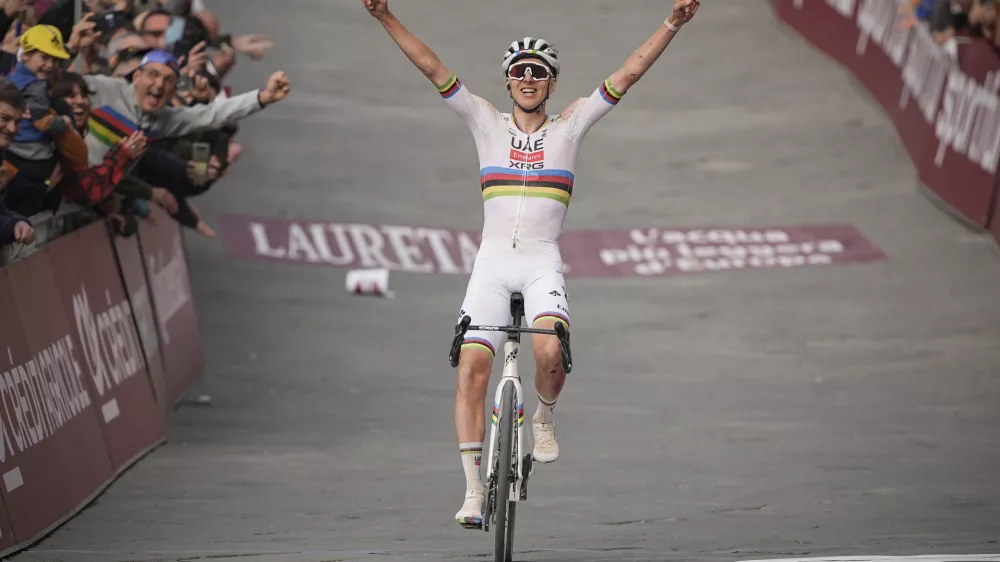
(101, 340)
(942, 101)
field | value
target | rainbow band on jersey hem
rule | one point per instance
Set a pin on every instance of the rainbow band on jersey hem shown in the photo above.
(609, 93)
(479, 343)
(451, 87)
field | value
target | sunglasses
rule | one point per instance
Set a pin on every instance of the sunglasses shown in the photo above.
(538, 71)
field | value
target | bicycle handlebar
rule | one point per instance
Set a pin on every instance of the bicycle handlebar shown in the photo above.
(466, 324)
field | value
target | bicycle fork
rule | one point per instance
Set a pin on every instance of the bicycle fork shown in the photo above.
(510, 376)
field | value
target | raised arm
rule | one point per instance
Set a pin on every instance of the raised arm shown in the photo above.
(419, 54)
(222, 111)
(644, 57)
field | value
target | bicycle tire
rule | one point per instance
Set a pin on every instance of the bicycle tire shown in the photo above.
(504, 532)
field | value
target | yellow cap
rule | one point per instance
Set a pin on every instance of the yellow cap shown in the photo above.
(44, 38)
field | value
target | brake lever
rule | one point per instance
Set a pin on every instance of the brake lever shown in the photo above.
(567, 356)
(456, 344)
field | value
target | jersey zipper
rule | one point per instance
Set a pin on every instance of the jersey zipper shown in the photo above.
(521, 201)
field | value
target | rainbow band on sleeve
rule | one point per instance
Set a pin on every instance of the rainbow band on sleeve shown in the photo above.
(609, 93)
(451, 87)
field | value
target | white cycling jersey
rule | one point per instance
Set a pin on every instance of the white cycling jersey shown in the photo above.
(526, 179)
(527, 182)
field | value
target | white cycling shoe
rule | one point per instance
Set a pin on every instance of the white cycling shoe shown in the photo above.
(544, 436)
(471, 514)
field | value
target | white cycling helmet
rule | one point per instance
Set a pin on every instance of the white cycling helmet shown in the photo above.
(531, 46)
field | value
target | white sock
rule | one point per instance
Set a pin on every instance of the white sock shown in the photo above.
(545, 410)
(472, 455)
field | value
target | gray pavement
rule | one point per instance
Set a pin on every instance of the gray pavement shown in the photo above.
(847, 410)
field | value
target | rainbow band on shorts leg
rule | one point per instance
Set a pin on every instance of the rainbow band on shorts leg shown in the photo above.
(479, 343)
(551, 315)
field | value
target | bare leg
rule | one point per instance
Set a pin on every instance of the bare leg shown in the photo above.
(549, 380)
(474, 368)
(549, 374)
(473, 381)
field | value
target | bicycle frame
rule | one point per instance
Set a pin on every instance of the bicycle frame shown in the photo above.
(510, 376)
(522, 460)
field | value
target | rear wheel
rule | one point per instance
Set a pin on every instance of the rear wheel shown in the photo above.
(504, 537)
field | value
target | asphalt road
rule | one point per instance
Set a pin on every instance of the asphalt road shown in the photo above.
(842, 410)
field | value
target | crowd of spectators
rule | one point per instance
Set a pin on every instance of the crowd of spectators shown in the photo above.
(950, 19)
(123, 109)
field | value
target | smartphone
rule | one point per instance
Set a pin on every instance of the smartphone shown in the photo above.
(184, 82)
(110, 20)
(201, 152)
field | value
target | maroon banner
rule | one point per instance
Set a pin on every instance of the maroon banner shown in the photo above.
(995, 226)
(130, 264)
(943, 103)
(53, 456)
(828, 24)
(635, 252)
(104, 331)
(961, 160)
(167, 273)
(7, 541)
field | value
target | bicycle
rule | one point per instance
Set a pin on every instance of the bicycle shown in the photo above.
(504, 464)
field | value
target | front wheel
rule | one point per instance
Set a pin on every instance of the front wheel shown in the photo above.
(504, 537)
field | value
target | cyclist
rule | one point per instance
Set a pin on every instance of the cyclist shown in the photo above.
(527, 159)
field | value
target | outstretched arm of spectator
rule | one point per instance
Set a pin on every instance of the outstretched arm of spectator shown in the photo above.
(135, 187)
(643, 58)
(186, 120)
(14, 228)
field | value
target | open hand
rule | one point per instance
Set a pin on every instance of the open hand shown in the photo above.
(135, 143)
(83, 34)
(377, 8)
(254, 46)
(684, 10)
